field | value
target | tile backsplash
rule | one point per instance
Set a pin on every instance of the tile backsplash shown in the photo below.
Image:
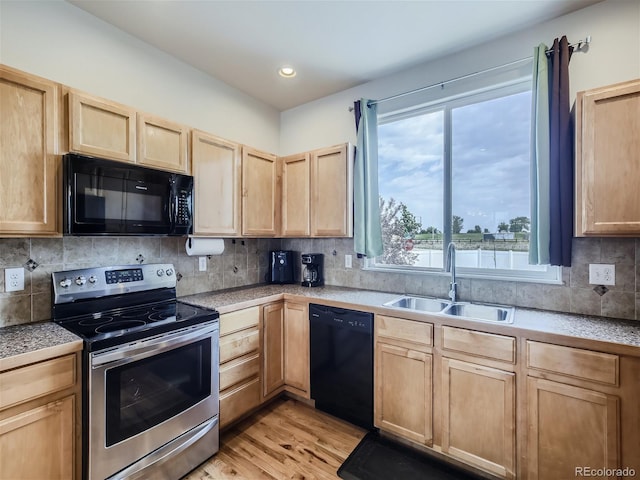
(245, 262)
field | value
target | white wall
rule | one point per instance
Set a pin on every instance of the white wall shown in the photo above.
(58, 41)
(613, 56)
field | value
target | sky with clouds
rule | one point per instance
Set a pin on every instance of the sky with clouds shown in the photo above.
(490, 145)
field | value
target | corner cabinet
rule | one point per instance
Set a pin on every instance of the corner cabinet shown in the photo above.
(296, 349)
(295, 195)
(260, 193)
(216, 173)
(28, 161)
(317, 193)
(331, 207)
(608, 161)
(272, 349)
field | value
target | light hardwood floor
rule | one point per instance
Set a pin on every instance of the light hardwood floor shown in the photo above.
(284, 440)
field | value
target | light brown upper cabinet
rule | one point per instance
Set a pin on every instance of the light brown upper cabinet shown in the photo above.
(28, 164)
(163, 144)
(101, 128)
(295, 195)
(331, 192)
(608, 161)
(260, 193)
(216, 173)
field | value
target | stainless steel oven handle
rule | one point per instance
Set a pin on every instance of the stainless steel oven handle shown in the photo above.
(128, 353)
(165, 453)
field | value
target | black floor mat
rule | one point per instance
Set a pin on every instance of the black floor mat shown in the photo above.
(377, 458)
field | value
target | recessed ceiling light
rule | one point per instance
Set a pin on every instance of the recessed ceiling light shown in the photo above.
(287, 72)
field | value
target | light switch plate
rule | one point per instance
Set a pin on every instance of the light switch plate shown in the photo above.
(13, 279)
(202, 264)
(602, 274)
(348, 262)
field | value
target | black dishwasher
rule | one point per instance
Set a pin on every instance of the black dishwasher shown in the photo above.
(342, 363)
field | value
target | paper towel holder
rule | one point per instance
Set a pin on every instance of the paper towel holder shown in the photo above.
(189, 244)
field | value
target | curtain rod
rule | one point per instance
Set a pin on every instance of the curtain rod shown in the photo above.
(580, 45)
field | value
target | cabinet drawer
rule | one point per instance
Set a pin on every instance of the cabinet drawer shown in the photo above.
(238, 370)
(238, 344)
(404, 330)
(573, 362)
(239, 401)
(480, 344)
(239, 320)
(37, 380)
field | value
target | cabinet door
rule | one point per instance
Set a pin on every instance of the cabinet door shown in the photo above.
(260, 195)
(295, 195)
(163, 144)
(272, 348)
(403, 392)
(28, 165)
(101, 128)
(478, 416)
(296, 347)
(331, 192)
(570, 427)
(39, 443)
(608, 160)
(216, 173)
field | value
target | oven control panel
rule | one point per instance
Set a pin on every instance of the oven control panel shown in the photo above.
(72, 285)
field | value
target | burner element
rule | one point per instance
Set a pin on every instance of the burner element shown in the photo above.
(96, 320)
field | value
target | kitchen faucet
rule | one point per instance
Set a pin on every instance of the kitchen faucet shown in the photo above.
(451, 267)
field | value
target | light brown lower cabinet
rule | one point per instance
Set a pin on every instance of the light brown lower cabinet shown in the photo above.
(479, 416)
(39, 443)
(240, 359)
(403, 392)
(39, 420)
(296, 348)
(569, 428)
(272, 349)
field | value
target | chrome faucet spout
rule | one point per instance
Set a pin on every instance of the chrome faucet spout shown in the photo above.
(451, 267)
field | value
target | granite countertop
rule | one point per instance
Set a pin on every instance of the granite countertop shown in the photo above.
(28, 343)
(34, 342)
(538, 324)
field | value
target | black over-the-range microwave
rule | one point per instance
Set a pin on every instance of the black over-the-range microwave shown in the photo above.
(105, 197)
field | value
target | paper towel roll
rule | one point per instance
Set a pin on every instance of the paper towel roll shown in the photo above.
(204, 246)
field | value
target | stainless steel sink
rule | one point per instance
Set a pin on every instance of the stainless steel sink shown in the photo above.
(432, 305)
(474, 311)
(470, 311)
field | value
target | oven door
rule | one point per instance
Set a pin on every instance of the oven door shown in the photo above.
(146, 394)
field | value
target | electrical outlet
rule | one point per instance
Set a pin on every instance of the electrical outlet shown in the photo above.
(202, 264)
(602, 274)
(13, 279)
(348, 261)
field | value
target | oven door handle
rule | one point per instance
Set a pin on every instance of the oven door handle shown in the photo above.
(152, 346)
(163, 454)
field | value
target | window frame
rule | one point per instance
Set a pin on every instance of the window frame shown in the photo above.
(446, 104)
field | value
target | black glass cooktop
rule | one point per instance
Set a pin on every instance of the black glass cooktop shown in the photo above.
(120, 325)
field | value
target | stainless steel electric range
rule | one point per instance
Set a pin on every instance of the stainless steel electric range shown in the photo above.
(150, 371)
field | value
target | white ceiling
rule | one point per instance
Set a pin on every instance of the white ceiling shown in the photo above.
(334, 45)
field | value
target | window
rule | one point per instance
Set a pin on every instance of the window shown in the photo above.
(457, 170)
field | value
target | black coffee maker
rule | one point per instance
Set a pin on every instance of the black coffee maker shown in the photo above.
(281, 268)
(312, 275)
